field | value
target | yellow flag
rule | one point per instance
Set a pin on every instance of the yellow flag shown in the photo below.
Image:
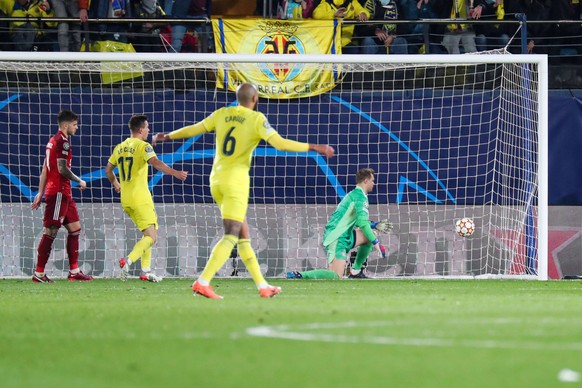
(274, 36)
(112, 72)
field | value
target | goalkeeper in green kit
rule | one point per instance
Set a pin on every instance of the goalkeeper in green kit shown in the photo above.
(341, 234)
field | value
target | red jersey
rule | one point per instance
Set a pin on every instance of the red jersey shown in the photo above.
(58, 147)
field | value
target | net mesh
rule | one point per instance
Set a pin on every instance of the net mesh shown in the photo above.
(446, 142)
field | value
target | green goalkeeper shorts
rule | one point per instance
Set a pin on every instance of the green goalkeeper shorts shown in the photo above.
(339, 248)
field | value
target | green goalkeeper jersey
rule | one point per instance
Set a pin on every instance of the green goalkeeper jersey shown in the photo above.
(352, 211)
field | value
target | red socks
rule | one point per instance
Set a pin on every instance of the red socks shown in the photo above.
(73, 249)
(46, 244)
(44, 251)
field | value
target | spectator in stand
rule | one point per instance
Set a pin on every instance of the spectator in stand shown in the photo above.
(294, 9)
(107, 9)
(28, 35)
(267, 8)
(5, 39)
(70, 8)
(415, 10)
(147, 35)
(567, 36)
(457, 33)
(191, 9)
(343, 9)
(385, 38)
(492, 36)
(533, 10)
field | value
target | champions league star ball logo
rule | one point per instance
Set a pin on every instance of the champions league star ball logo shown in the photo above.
(279, 39)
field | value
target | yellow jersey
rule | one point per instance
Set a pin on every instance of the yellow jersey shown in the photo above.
(459, 11)
(131, 158)
(238, 132)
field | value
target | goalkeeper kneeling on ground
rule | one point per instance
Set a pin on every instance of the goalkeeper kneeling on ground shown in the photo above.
(348, 228)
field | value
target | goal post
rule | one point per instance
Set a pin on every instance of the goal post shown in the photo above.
(449, 136)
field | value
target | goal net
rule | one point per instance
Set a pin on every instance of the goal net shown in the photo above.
(448, 136)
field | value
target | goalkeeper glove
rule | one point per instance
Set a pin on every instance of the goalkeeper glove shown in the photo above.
(383, 226)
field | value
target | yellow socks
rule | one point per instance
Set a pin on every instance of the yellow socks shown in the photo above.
(146, 260)
(247, 254)
(220, 253)
(139, 250)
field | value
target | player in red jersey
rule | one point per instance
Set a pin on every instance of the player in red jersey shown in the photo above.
(60, 209)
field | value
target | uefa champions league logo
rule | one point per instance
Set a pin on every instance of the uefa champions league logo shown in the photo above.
(279, 39)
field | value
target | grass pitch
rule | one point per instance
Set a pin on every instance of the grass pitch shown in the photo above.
(357, 333)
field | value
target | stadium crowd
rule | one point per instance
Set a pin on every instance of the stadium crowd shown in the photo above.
(371, 30)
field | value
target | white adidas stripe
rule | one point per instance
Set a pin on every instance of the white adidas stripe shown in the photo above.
(58, 206)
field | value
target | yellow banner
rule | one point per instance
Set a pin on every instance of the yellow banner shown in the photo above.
(273, 36)
(112, 72)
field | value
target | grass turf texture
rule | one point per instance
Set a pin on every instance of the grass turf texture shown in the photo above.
(339, 333)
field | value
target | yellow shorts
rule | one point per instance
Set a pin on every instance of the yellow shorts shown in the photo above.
(232, 200)
(142, 215)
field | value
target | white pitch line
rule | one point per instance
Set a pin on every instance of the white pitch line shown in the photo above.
(302, 333)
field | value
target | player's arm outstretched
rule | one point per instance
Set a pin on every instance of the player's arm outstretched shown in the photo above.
(163, 167)
(182, 133)
(283, 144)
(41, 186)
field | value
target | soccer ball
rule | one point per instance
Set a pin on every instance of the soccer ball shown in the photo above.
(464, 227)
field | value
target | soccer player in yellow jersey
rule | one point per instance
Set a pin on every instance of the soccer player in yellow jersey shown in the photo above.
(132, 158)
(239, 129)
